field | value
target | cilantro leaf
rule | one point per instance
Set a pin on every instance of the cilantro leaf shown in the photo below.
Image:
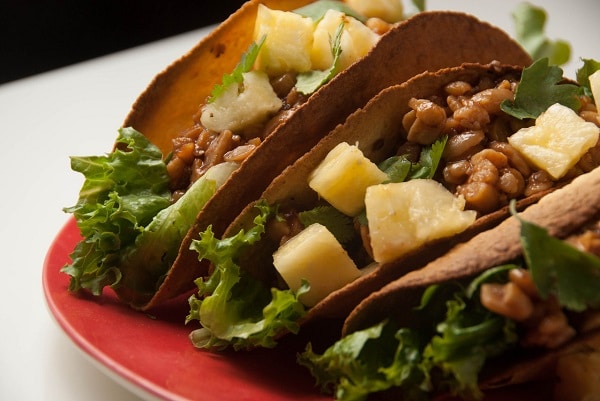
(308, 82)
(317, 10)
(583, 74)
(539, 89)
(397, 168)
(560, 269)
(529, 23)
(400, 169)
(429, 160)
(337, 223)
(235, 77)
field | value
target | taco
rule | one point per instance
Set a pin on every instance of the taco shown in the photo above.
(516, 303)
(377, 197)
(290, 133)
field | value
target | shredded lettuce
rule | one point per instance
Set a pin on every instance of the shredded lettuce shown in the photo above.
(445, 352)
(234, 308)
(540, 88)
(121, 194)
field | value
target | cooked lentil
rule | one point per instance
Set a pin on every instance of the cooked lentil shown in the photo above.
(478, 162)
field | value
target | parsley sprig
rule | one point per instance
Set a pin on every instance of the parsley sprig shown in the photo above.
(541, 86)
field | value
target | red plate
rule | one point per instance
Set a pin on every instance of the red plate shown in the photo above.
(153, 353)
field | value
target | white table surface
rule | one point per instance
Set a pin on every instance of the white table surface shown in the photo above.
(76, 111)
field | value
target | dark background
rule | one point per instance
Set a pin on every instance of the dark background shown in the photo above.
(38, 35)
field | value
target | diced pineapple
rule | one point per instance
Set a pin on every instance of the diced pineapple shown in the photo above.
(356, 41)
(557, 141)
(595, 86)
(241, 105)
(343, 176)
(315, 255)
(388, 10)
(288, 40)
(403, 216)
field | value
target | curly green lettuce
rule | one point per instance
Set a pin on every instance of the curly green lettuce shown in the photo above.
(456, 335)
(131, 231)
(234, 308)
(121, 194)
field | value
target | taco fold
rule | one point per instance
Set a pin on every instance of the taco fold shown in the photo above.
(136, 224)
(377, 197)
(516, 303)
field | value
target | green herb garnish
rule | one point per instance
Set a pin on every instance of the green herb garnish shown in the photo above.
(308, 82)
(337, 223)
(529, 22)
(235, 77)
(317, 10)
(540, 88)
(583, 74)
(400, 169)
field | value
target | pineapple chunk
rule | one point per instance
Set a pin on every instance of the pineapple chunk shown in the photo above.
(288, 40)
(356, 41)
(557, 141)
(403, 216)
(595, 86)
(241, 105)
(388, 10)
(343, 176)
(316, 256)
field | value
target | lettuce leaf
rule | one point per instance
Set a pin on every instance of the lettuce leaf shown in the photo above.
(234, 308)
(455, 337)
(131, 231)
(145, 262)
(446, 353)
(121, 194)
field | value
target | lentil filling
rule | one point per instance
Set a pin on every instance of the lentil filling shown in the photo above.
(197, 149)
(478, 162)
(545, 324)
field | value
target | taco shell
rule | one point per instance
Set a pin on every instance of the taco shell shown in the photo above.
(415, 45)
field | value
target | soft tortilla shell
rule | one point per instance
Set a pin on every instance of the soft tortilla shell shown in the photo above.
(421, 43)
